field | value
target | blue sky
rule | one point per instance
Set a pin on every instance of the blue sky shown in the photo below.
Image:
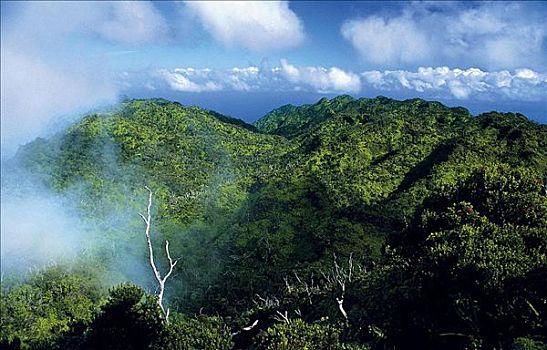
(245, 58)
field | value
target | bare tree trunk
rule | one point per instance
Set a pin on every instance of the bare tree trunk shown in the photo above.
(341, 306)
(172, 263)
(342, 277)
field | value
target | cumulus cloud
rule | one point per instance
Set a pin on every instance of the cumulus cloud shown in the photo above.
(254, 25)
(381, 40)
(521, 84)
(191, 79)
(321, 79)
(285, 77)
(496, 35)
(179, 81)
(128, 22)
(44, 24)
(442, 82)
(44, 78)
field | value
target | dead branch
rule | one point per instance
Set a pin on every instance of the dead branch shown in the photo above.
(246, 329)
(282, 317)
(335, 278)
(172, 263)
(266, 303)
(251, 326)
(341, 306)
(343, 276)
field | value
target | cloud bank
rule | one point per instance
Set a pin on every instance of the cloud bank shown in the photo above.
(285, 77)
(432, 82)
(57, 56)
(521, 84)
(497, 35)
(253, 25)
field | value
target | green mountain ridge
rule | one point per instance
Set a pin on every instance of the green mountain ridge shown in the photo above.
(290, 120)
(249, 207)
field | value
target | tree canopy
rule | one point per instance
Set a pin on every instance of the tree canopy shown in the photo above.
(426, 225)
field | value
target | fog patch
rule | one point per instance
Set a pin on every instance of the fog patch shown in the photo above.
(41, 227)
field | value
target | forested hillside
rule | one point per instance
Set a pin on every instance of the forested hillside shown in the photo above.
(345, 224)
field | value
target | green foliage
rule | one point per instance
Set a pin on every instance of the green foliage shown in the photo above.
(58, 310)
(49, 310)
(299, 335)
(187, 333)
(130, 319)
(528, 344)
(444, 215)
(470, 270)
(290, 120)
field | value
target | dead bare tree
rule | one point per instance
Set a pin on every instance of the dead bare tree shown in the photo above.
(337, 278)
(342, 276)
(172, 263)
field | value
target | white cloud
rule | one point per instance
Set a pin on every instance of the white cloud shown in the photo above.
(43, 78)
(179, 81)
(37, 230)
(458, 89)
(44, 24)
(130, 22)
(522, 84)
(442, 82)
(380, 40)
(286, 77)
(525, 73)
(321, 79)
(34, 94)
(496, 35)
(254, 25)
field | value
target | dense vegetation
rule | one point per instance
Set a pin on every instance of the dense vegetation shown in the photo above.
(346, 224)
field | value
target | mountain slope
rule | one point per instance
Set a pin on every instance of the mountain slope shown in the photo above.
(344, 174)
(181, 149)
(290, 120)
(372, 160)
(372, 150)
(429, 204)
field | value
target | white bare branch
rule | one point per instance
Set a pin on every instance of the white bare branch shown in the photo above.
(246, 329)
(172, 263)
(251, 326)
(282, 317)
(342, 276)
(341, 307)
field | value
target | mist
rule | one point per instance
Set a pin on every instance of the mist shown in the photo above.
(36, 232)
(41, 227)
(99, 229)
(47, 80)
(73, 227)
(48, 83)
